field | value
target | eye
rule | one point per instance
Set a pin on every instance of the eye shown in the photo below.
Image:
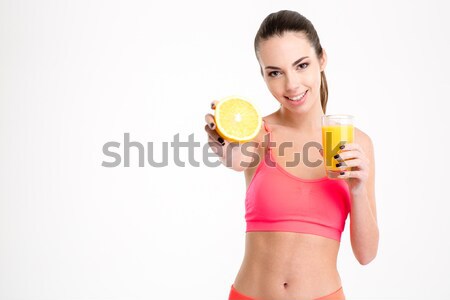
(303, 65)
(274, 74)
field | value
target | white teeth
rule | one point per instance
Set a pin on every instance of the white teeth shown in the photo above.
(296, 98)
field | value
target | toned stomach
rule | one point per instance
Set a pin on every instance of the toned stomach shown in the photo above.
(287, 266)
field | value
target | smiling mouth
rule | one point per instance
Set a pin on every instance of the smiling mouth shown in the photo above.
(298, 97)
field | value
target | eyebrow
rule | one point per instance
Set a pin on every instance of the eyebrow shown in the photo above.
(293, 64)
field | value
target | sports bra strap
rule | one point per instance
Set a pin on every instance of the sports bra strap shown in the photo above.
(266, 127)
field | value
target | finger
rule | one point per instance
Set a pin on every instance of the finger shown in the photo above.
(209, 118)
(212, 133)
(345, 155)
(351, 174)
(214, 136)
(219, 141)
(351, 146)
(359, 163)
(215, 147)
(213, 104)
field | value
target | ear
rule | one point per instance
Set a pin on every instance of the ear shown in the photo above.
(323, 60)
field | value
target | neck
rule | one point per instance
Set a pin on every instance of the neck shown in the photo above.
(309, 121)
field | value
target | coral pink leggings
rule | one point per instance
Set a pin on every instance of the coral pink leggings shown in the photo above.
(337, 295)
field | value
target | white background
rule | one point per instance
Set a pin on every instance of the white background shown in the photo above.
(75, 75)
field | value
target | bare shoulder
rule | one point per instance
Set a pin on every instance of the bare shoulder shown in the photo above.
(257, 148)
(364, 140)
(268, 120)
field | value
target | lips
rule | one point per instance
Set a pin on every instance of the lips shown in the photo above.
(298, 97)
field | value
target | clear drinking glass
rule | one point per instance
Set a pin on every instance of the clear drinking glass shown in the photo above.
(337, 130)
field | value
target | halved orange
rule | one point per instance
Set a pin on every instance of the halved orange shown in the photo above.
(237, 119)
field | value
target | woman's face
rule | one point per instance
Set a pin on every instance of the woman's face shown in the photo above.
(291, 70)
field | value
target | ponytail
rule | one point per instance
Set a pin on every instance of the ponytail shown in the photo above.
(323, 91)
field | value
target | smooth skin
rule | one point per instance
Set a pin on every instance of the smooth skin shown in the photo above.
(290, 265)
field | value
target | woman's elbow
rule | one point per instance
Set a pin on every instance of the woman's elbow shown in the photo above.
(365, 260)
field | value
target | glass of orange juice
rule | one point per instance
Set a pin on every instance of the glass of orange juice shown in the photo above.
(337, 130)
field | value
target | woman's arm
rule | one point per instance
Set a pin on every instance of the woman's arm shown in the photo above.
(364, 234)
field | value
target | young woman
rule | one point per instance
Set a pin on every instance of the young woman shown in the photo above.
(295, 214)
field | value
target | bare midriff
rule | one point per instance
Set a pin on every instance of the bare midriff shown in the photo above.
(287, 266)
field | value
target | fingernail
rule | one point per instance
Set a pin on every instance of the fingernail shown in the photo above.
(211, 125)
(221, 141)
(342, 147)
(338, 165)
(336, 156)
(342, 173)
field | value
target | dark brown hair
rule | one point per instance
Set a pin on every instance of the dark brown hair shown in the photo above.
(286, 20)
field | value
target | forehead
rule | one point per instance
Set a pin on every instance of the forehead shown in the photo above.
(284, 50)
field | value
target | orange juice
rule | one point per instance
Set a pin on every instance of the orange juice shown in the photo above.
(334, 136)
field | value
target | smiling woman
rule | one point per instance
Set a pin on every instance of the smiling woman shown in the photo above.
(300, 37)
(295, 214)
(293, 82)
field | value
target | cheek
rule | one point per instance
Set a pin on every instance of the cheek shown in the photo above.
(275, 86)
(313, 80)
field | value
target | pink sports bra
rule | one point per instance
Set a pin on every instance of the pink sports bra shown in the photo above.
(276, 200)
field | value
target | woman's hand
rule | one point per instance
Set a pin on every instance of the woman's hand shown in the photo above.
(353, 156)
(230, 153)
(215, 141)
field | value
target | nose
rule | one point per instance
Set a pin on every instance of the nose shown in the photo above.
(292, 82)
